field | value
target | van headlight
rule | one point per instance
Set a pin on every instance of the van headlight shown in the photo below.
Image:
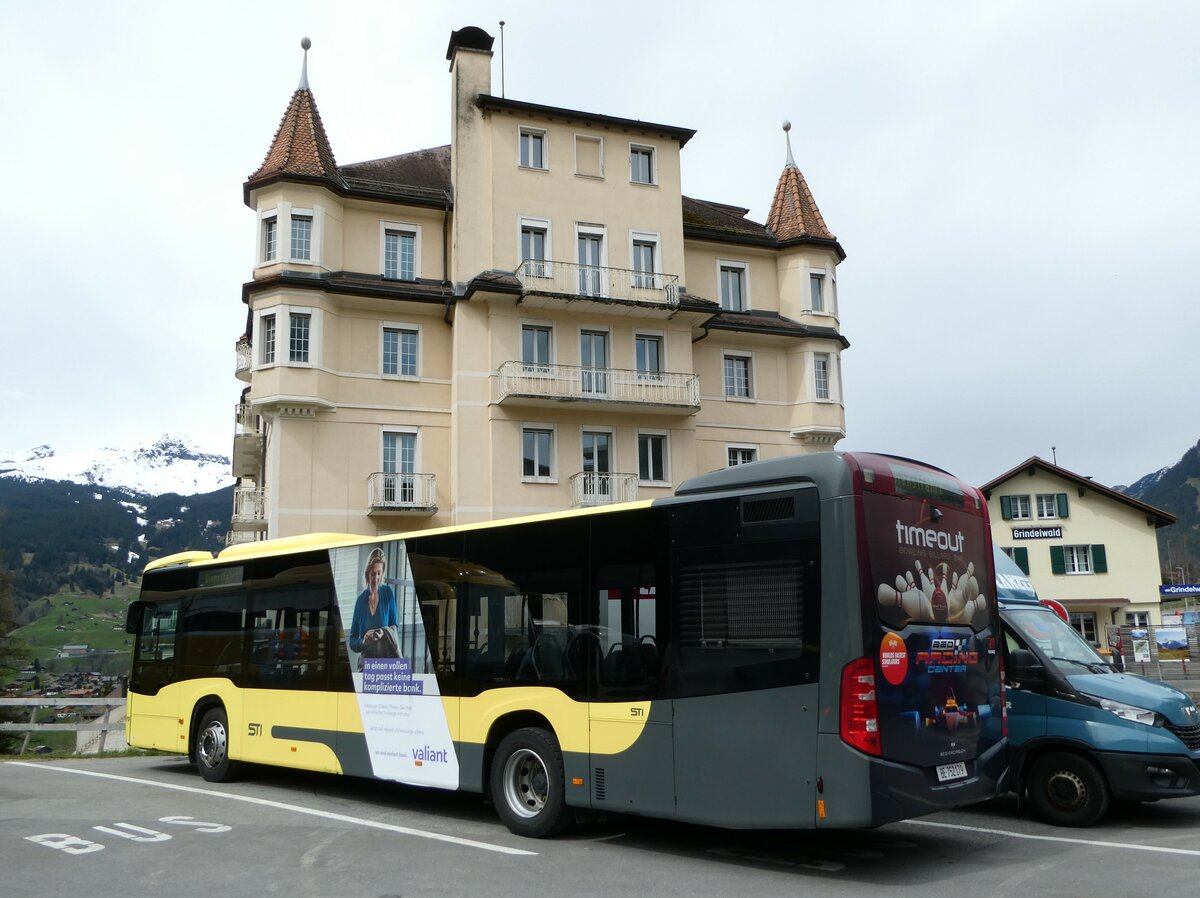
(1132, 712)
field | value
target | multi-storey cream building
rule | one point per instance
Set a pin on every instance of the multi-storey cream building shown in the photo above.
(531, 318)
(1086, 545)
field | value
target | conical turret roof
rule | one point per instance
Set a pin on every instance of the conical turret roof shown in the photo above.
(300, 146)
(794, 212)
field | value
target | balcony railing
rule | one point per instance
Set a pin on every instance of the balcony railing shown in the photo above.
(603, 284)
(245, 357)
(389, 493)
(600, 488)
(249, 508)
(246, 420)
(663, 391)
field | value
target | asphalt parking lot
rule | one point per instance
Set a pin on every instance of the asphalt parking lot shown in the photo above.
(150, 825)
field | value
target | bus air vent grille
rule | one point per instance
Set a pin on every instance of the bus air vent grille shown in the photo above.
(598, 783)
(762, 511)
(1189, 736)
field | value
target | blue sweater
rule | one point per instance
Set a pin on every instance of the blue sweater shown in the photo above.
(364, 620)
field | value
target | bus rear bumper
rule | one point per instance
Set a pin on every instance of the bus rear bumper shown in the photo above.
(901, 791)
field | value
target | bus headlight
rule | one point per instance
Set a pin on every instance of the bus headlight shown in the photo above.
(1132, 712)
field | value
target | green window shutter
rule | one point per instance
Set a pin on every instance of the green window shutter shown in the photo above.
(1021, 557)
(1099, 560)
(1006, 507)
(1058, 564)
(1062, 505)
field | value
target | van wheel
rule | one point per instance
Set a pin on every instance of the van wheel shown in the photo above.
(1067, 790)
(527, 784)
(212, 748)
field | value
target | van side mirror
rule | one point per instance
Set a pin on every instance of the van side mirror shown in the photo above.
(1024, 670)
(133, 617)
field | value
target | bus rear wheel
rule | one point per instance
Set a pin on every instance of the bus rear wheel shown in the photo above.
(527, 781)
(212, 748)
(1068, 790)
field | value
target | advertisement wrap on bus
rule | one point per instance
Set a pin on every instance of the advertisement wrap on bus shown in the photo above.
(939, 697)
(404, 720)
(801, 642)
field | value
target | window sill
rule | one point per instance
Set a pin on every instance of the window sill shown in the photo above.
(411, 378)
(550, 481)
(643, 184)
(665, 484)
(580, 174)
(749, 399)
(531, 168)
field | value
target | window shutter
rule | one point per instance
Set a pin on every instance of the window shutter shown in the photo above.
(1099, 560)
(1021, 557)
(1062, 505)
(1006, 507)
(1058, 564)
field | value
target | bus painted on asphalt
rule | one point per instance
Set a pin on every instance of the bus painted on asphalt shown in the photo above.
(804, 642)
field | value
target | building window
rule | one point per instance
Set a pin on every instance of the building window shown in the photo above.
(1085, 623)
(593, 362)
(533, 248)
(536, 447)
(1137, 619)
(593, 279)
(1020, 557)
(400, 351)
(299, 329)
(535, 347)
(1078, 559)
(821, 374)
(399, 255)
(740, 455)
(645, 255)
(270, 239)
(652, 457)
(302, 237)
(738, 381)
(399, 462)
(533, 148)
(648, 350)
(267, 339)
(641, 165)
(733, 286)
(1052, 505)
(816, 284)
(1015, 508)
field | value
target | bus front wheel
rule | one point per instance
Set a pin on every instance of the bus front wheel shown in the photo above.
(527, 781)
(212, 748)
(1067, 790)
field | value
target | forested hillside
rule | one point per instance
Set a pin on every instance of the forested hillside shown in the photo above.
(1176, 489)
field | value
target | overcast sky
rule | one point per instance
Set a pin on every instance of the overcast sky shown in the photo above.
(1015, 185)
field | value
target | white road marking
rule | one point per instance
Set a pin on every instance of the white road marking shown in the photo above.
(283, 806)
(1131, 846)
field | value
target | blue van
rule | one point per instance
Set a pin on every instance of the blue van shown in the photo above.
(1080, 733)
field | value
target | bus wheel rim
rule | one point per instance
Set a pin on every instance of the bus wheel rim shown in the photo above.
(526, 783)
(213, 745)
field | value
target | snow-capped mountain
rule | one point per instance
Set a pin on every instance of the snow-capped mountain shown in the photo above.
(172, 464)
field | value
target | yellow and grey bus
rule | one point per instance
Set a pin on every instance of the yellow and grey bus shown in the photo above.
(797, 643)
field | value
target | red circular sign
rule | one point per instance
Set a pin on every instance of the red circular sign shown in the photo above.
(893, 659)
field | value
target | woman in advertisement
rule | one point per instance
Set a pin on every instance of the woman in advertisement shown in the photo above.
(373, 628)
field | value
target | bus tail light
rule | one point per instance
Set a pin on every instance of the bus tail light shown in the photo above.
(860, 710)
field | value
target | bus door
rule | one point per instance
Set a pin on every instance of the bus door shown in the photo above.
(154, 702)
(629, 729)
(290, 713)
(746, 574)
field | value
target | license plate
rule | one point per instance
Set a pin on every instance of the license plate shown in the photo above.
(947, 772)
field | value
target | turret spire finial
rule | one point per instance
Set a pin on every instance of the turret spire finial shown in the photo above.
(787, 127)
(305, 43)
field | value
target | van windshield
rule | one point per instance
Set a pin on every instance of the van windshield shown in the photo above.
(1056, 639)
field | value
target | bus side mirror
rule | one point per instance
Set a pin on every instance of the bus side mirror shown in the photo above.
(1023, 669)
(133, 617)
